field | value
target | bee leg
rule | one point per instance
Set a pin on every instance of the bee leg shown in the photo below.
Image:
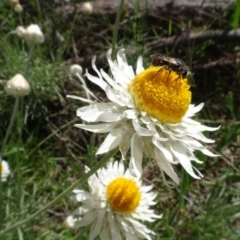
(179, 77)
(158, 71)
(169, 71)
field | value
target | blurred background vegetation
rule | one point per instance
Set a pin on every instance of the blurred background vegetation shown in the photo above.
(47, 154)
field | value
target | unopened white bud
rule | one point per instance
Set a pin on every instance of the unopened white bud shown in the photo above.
(4, 170)
(18, 8)
(21, 31)
(76, 69)
(17, 86)
(69, 222)
(87, 8)
(34, 34)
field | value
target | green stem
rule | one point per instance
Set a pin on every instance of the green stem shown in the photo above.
(115, 29)
(26, 72)
(100, 164)
(30, 55)
(10, 125)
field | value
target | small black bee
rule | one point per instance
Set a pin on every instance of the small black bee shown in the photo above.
(172, 64)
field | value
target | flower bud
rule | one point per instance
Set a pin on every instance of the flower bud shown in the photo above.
(4, 170)
(34, 34)
(69, 222)
(17, 86)
(18, 8)
(21, 31)
(76, 69)
(87, 8)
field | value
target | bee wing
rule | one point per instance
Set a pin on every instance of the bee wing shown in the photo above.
(180, 62)
(155, 55)
(171, 60)
(190, 79)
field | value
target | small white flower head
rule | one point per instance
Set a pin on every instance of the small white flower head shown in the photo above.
(32, 34)
(115, 206)
(18, 8)
(4, 170)
(87, 8)
(148, 111)
(16, 5)
(21, 31)
(17, 86)
(76, 69)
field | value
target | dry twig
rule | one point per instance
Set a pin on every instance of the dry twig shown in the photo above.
(185, 38)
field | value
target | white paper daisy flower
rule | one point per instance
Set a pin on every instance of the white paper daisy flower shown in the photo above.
(148, 111)
(4, 170)
(115, 205)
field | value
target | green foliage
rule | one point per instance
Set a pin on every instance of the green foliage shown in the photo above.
(236, 15)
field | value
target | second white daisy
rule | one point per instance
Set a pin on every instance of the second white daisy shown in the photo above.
(115, 205)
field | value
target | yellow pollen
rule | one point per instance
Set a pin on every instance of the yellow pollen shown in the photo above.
(160, 93)
(123, 195)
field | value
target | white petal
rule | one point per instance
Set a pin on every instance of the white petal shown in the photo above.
(121, 58)
(141, 130)
(112, 140)
(136, 155)
(140, 67)
(208, 153)
(166, 166)
(167, 154)
(184, 160)
(98, 128)
(93, 115)
(102, 84)
(202, 138)
(109, 80)
(125, 143)
(205, 128)
(194, 109)
(80, 98)
(115, 233)
(105, 234)
(112, 96)
(85, 220)
(198, 108)
(95, 229)
(130, 114)
(159, 138)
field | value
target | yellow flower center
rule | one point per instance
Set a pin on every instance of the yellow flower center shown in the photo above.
(123, 195)
(160, 93)
(1, 167)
